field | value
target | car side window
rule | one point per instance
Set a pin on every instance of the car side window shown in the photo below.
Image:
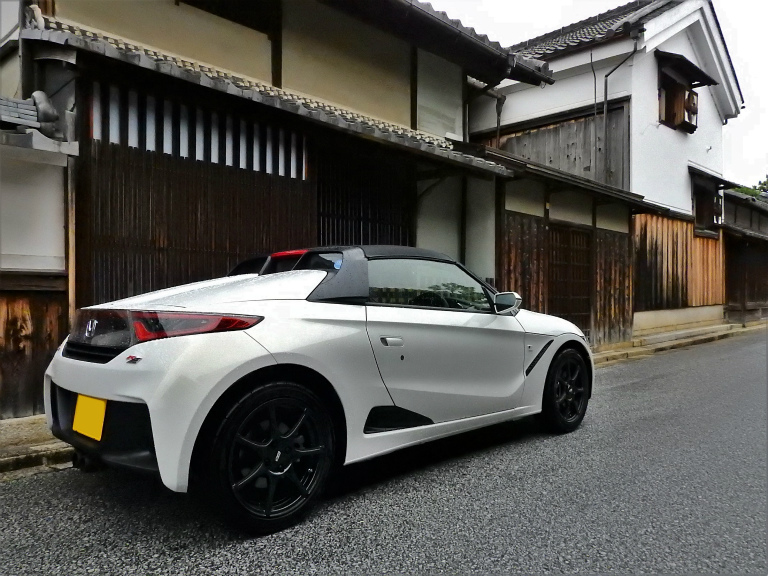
(424, 283)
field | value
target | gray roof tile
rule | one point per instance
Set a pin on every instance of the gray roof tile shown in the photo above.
(18, 112)
(148, 57)
(582, 34)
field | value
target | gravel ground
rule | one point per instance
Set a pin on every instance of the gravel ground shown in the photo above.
(666, 475)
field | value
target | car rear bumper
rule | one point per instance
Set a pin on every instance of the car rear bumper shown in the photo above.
(126, 441)
(154, 407)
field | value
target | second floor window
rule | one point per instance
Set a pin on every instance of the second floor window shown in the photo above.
(678, 105)
(678, 100)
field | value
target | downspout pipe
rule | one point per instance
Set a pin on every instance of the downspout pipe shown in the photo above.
(605, 112)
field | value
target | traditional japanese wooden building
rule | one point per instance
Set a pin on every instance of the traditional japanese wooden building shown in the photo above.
(745, 227)
(203, 132)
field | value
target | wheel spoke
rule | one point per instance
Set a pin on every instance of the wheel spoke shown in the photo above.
(291, 475)
(273, 420)
(271, 488)
(560, 391)
(575, 376)
(309, 451)
(298, 424)
(575, 406)
(255, 446)
(252, 475)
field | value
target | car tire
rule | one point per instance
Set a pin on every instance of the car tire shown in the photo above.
(566, 392)
(271, 457)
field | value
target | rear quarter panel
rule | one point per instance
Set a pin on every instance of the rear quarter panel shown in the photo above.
(332, 340)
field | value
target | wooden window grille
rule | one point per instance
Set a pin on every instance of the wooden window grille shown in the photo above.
(678, 105)
(153, 123)
(708, 208)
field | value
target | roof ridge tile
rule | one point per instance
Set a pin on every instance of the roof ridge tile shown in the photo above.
(583, 32)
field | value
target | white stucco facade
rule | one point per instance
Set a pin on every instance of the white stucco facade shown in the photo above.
(481, 227)
(660, 156)
(574, 88)
(438, 217)
(32, 210)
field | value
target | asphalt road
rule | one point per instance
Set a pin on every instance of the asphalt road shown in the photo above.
(666, 475)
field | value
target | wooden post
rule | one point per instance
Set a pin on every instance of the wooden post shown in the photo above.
(593, 274)
(501, 236)
(70, 247)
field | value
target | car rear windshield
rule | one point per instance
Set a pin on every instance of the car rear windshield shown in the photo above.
(320, 261)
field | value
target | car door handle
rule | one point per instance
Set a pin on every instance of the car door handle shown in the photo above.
(391, 341)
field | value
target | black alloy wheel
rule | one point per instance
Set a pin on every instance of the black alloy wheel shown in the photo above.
(566, 392)
(274, 452)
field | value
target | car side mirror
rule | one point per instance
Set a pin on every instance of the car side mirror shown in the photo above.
(507, 302)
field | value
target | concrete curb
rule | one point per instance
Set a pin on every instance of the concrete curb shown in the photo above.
(47, 454)
(641, 351)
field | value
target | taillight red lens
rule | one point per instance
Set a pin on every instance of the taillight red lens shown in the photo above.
(155, 325)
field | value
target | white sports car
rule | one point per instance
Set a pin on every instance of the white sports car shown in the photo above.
(256, 385)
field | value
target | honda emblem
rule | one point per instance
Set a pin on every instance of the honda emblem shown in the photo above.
(90, 328)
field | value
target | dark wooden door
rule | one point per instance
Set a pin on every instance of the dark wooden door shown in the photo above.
(570, 275)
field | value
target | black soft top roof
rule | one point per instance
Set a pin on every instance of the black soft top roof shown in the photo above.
(387, 251)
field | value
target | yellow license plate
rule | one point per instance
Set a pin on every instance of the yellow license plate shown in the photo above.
(89, 416)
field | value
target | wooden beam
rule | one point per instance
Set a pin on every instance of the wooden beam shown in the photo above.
(70, 246)
(414, 88)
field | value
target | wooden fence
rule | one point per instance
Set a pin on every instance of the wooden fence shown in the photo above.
(147, 220)
(582, 275)
(673, 267)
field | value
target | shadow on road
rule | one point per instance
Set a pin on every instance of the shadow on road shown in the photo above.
(411, 460)
(142, 506)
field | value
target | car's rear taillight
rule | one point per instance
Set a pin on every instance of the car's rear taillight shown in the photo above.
(155, 325)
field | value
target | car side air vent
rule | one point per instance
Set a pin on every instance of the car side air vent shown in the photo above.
(388, 418)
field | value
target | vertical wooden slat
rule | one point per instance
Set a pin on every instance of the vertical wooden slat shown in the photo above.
(32, 325)
(684, 269)
(151, 220)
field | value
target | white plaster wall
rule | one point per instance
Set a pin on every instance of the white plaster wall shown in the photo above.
(526, 197)
(660, 155)
(438, 223)
(10, 76)
(9, 17)
(9, 66)
(182, 30)
(440, 87)
(573, 88)
(571, 207)
(481, 227)
(331, 56)
(32, 215)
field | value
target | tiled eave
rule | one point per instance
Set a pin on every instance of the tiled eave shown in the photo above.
(524, 167)
(209, 77)
(738, 231)
(746, 200)
(31, 139)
